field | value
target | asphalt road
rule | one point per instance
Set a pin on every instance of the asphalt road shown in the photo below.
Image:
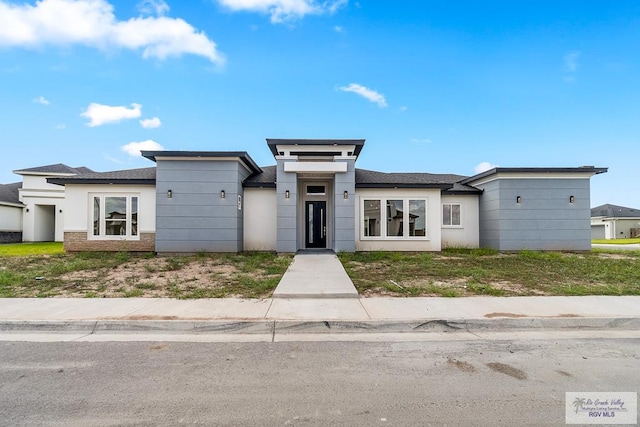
(456, 383)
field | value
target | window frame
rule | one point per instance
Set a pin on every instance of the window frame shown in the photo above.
(384, 219)
(103, 220)
(451, 204)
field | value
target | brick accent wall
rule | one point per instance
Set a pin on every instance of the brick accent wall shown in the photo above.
(78, 242)
(10, 236)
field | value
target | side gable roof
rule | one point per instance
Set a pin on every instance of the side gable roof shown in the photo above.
(265, 179)
(449, 183)
(142, 176)
(9, 193)
(373, 179)
(615, 211)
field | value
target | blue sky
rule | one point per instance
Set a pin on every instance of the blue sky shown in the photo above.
(442, 87)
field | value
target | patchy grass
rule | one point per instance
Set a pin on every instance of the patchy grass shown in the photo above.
(465, 272)
(104, 274)
(615, 241)
(24, 249)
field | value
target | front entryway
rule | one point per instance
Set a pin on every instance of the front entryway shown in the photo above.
(316, 224)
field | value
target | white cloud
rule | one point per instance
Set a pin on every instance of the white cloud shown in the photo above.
(571, 61)
(338, 29)
(285, 10)
(60, 126)
(41, 100)
(151, 123)
(134, 148)
(365, 92)
(483, 166)
(113, 159)
(93, 23)
(99, 114)
(153, 7)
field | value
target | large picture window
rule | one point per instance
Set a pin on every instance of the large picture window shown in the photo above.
(115, 216)
(393, 218)
(451, 214)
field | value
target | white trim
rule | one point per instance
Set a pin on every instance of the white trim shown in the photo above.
(50, 174)
(335, 167)
(288, 148)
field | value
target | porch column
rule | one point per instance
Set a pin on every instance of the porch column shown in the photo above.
(344, 208)
(287, 238)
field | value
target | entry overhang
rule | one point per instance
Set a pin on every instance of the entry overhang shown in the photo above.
(333, 167)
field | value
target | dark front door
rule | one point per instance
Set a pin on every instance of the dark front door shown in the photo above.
(316, 225)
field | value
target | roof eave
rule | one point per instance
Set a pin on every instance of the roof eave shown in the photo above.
(398, 185)
(494, 171)
(242, 155)
(119, 181)
(273, 142)
(13, 205)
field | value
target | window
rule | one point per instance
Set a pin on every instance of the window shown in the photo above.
(417, 218)
(371, 218)
(316, 190)
(392, 222)
(451, 214)
(395, 218)
(115, 216)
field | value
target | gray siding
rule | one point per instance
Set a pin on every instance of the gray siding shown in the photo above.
(196, 218)
(287, 210)
(344, 219)
(543, 220)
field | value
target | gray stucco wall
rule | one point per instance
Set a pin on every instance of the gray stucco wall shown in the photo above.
(196, 218)
(287, 209)
(344, 219)
(543, 220)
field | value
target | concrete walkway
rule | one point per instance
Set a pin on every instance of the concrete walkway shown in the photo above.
(315, 275)
(614, 247)
(341, 309)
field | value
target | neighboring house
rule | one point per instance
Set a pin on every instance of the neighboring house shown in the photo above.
(10, 213)
(614, 222)
(39, 204)
(315, 198)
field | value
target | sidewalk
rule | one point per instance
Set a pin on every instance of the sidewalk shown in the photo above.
(317, 315)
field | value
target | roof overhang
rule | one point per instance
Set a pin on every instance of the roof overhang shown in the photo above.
(403, 185)
(13, 205)
(534, 173)
(241, 156)
(316, 147)
(30, 173)
(114, 181)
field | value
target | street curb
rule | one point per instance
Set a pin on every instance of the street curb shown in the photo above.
(280, 327)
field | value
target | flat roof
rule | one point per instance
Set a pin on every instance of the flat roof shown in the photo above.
(242, 155)
(358, 143)
(542, 171)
